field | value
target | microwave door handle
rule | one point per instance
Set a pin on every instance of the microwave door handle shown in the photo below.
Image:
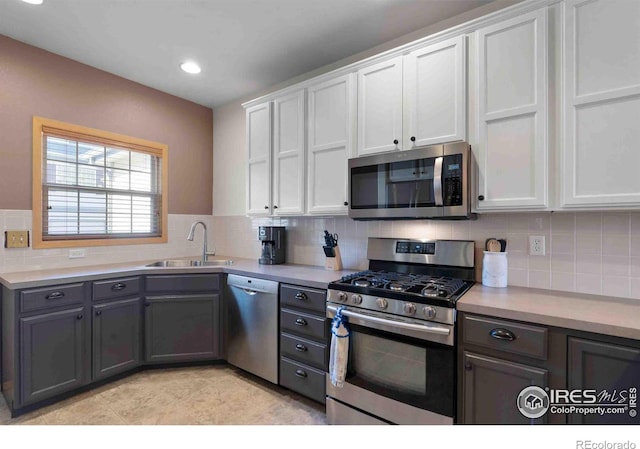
(437, 181)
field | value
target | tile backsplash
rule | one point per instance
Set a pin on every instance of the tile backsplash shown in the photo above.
(22, 259)
(596, 253)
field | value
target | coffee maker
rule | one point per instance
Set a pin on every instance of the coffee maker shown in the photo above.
(274, 244)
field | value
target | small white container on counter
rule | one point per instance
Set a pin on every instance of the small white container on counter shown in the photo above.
(494, 269)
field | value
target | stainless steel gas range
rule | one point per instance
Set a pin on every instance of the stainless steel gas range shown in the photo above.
(402, 313)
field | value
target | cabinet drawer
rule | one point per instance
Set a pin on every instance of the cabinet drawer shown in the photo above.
(183, 283)
(303, 324)
(116, 288)
(51, 297)
(506, 336)
(302, 350)
(302, 379)
(303, 297)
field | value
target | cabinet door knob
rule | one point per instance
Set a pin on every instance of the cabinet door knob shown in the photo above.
(118, 286)
(468, 366)
(275, 207)
(301, 296)
(266, 207)
(346, 203)
(301, 322)
(301, 348)
(502, 334)
(481, 197)
(395, 141)
(413, 138)
(98, 313)
(147, 304)
(79, 317)
(301, 373)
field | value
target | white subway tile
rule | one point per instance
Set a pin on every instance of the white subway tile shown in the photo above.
(590, 222)
(563, 263)
(616, 286)
(562, 244)
(588, 243)
(615, 244)
(616, 265)
(586, 283)
(616, 223)
(563, 223)
(563, 281)
(588, 264)
(540, 262)
(518, 278)
(539, 279)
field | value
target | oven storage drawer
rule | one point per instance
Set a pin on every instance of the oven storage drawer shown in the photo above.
(303, 350)
(51, 297)
(304, 324)
(302, 379)
(506, 336)
(116, 288)
(303, 298)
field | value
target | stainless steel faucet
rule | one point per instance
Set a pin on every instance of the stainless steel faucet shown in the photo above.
(204, 245)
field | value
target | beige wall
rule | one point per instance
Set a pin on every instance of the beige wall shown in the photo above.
(229, 131)
(36, 82)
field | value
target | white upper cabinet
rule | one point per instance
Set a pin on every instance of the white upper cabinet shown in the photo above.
(330, 142)
(435, 94)
(380, 107)
(511, 116)
(601, 107)
(289, 154)
(258, 135)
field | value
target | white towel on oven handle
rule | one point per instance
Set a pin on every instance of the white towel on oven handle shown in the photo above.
(339, 355)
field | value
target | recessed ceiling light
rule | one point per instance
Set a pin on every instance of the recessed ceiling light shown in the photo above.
(190, 67)
(33, 2)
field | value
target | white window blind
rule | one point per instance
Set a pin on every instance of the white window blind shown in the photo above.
(95, 189)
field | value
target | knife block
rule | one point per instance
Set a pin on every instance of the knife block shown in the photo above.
(334, 263)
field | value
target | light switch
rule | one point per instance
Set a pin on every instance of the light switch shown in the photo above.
(16, 239)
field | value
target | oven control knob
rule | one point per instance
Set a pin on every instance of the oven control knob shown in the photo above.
(409, 308)
(356, 299)
(429, 312)
(382, 303)
(342, 296)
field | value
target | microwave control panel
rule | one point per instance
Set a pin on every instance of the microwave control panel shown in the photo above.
(452, 180)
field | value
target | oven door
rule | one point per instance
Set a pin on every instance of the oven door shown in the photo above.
(400, 371)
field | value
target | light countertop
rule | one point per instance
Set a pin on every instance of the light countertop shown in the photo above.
(590, 313)
(311, 276)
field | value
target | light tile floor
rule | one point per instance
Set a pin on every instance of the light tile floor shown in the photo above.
(209, 395)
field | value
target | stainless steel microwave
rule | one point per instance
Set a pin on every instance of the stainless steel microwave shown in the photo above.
(429, 182)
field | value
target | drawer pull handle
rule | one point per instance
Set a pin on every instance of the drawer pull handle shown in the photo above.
(301, 348)
(79, 317)
(301, 296)
(301, 373)
(301, 322)
(54, 295)
(119, 286)
(502, 334)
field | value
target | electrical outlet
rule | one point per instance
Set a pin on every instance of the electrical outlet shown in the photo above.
(536, 245)
(77, 253)
(16, 239)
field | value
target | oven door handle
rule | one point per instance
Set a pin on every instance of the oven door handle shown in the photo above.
(426, 328)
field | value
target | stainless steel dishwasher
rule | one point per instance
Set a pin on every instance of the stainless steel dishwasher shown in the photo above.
(252, 325)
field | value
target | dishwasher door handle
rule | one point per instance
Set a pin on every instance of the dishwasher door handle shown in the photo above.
(250, 292)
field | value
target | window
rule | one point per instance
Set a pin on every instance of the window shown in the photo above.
(94, 187)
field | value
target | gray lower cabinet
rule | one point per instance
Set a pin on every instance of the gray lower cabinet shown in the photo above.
(491, 387)
(604, 367)
(52, 354)
(117, 336)
(497, 359)
(303, 340)
(182, 327)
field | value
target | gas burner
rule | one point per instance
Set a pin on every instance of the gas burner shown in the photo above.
(361, 283)
(434, 290)
(397, 287)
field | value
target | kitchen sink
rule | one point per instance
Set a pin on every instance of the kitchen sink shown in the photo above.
(190, 263)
